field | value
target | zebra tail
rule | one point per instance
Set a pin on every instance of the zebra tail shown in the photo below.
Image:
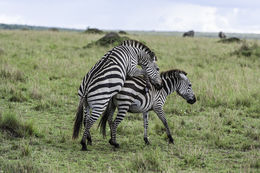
(103, 121)
(78, 119)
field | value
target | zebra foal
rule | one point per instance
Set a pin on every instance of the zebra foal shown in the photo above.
(106, 78)
(133, 99)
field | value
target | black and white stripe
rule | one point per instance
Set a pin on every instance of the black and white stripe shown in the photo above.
(132, 98)
(106, 78)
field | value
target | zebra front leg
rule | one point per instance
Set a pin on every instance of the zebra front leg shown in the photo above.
(145, 118)
(160, 113)
(120, 116)
(139, 72)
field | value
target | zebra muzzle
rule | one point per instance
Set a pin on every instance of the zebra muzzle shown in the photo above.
(192, 101)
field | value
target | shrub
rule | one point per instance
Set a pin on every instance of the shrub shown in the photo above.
(1, 51)
(193, 160)
(17, 96)
(21, 167)
(148, 161)
(9, 122)
(12, 74)
(248, 50)
(111, 38)
(230, 40)
(122, 32)
(54, 29)
(93, 31)
(255, 164)
(25, 150)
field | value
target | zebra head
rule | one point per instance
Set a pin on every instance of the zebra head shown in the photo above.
(152, 69)
(184, 88)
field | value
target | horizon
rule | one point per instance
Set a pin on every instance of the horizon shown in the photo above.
(234, 16)
(159, 31)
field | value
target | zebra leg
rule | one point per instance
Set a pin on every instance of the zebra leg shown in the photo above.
(139, 72)
(120, 116)
(148, 84)
(90, 121)
(86, 114)
(160, 113)
(145, 118)
(112, 108)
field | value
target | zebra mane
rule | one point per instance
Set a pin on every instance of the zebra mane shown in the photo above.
(173, 72)
(137, 44)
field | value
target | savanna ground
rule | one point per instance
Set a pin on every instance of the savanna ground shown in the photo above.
(40, 72)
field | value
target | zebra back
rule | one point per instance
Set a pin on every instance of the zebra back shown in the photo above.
(139, 45)
(93, 70)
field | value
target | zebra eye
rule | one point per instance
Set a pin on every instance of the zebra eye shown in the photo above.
(157, 69)
(189, 85)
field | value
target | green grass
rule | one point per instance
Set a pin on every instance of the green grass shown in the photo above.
(40, 72)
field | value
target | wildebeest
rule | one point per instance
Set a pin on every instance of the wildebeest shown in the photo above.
(221, 35)
(189, 34)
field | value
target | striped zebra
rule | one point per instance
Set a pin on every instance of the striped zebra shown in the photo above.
(132, 98)
(106, 78)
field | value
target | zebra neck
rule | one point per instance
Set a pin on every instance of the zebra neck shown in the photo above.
(169, 85)
(143, 58)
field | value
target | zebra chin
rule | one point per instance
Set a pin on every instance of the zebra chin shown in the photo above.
(192, 101)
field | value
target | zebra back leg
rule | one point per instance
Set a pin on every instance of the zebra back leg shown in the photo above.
(145, 118)
(120, 116)
(86, 113)
(160, 113)
(110, 117)
(107, 116)
(96, 112)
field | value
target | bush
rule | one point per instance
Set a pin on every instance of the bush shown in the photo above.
(93, 31)
(148, 161)
(21, 167)
(230, 40)
(248, 50)
(17, 97)
(54, 29)
(1, 51)
(111, 38)
(122, 32)
(12, 74)
(9, 122)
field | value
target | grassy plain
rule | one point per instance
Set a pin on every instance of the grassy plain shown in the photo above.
(40, 72)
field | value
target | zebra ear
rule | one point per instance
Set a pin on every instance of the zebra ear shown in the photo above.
(153, 57)
(183, 76)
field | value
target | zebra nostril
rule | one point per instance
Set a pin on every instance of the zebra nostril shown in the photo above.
(192, 101)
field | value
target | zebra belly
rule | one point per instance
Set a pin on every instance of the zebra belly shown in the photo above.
(103, 93)
(138, 107)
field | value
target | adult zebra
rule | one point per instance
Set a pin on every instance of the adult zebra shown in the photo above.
(133, 99)
(106, 79)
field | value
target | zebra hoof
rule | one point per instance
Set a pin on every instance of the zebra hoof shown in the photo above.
(89, 140)
(116, 145)
(146, 141)
(84, 146)
(171, 141)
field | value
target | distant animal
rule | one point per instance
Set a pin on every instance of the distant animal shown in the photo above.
(106, 78)
(132, 98)
(221, 35)
(189, 34)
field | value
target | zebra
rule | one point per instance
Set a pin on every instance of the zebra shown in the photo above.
(106, 78)
(133, 99)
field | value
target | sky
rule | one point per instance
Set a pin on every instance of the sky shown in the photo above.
(239, 16)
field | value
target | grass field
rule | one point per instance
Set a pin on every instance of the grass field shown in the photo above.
(40, 72)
